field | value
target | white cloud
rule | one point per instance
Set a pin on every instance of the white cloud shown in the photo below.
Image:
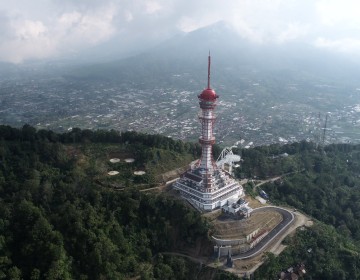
(27, 30)
(344, 45)
(42, 28)
(260, 21)
(152, 7)
(75, 28)
(67, 32)
(26, 38)
(188, 24)
(335, 12)
(128, 16)
(292, 32)
(68, 19)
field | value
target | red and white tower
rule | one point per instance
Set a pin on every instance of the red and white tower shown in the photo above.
(204, 184)
(207, 101)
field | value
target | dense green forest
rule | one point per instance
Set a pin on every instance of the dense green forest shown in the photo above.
(60, 218)
(58, 222)
(323, 182)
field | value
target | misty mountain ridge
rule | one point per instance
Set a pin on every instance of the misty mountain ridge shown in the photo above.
(232, 56)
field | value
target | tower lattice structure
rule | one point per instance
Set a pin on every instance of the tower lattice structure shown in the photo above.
(204, 184)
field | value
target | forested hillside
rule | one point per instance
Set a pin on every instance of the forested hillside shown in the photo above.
(57, 222)
(61, 218)
(325, 184)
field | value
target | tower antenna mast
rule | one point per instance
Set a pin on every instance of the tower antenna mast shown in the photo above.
(209, 64)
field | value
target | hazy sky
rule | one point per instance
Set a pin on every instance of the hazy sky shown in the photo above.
(40, 29)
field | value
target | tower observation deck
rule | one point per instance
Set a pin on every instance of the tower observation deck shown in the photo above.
(205, 184)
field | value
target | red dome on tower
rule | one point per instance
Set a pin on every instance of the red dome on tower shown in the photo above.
(208, 94)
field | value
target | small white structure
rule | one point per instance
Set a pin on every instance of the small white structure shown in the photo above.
(139, 172)
(114, 160)
(240, 206)
(227, 157)
(233, 205)
(129, 160)
(112, 173)
(261, 200)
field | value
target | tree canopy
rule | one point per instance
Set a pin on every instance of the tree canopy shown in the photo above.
(57, 222)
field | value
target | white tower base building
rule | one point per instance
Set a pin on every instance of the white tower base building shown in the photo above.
(191, 187)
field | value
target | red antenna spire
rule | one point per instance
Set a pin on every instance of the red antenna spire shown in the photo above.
(209, 62)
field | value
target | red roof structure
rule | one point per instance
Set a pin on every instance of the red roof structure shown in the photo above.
(208, 94)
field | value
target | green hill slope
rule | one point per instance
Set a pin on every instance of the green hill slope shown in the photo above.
(58, 222)
(325, 184)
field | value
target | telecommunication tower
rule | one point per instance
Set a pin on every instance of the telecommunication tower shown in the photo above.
(205, 184)
(207, 101)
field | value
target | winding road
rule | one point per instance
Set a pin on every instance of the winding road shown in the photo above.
(288, 218)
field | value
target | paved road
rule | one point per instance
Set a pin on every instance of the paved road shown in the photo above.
(288, 218)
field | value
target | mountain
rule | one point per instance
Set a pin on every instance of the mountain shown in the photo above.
(233, 56)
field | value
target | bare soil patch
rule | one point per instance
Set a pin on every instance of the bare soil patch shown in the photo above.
(253, 203)
(235, 229)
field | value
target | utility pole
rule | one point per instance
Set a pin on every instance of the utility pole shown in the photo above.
(324, 130)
